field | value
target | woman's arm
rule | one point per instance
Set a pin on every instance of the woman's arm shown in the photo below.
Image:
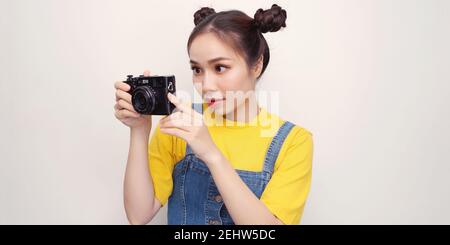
(139, 198)
(244, 207)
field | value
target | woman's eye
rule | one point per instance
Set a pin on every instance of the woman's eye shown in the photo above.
(220, 68)
(196, 70)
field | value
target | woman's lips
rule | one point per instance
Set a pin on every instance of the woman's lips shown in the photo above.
(214, 101)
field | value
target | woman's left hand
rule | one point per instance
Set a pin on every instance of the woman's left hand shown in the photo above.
(188, 124)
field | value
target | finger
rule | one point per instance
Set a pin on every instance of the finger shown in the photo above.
(117, 107)
(174, 131)
(176, 116)
(180, 124)
(164, 119)
(122, 86)
(123, 95)
(146, 73)
(125, 105)
(124, 113)
(173, 116)
(180, 106)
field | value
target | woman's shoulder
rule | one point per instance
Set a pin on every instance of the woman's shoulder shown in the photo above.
(301, 131)
(297, 147)
(297, 129)
(298, 135)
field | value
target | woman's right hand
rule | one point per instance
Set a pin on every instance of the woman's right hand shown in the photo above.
(124, 110)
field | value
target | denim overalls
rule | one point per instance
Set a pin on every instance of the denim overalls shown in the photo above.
(195, 198)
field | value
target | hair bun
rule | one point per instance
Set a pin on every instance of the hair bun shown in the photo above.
(202, 13)
(270, 20)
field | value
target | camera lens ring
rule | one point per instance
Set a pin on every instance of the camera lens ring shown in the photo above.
(143, 100)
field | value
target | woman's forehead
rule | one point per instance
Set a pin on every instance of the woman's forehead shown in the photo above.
(208, 46)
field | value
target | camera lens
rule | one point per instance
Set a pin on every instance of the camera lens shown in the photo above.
(143, 100)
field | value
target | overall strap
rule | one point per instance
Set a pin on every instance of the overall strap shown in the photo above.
(275, 146)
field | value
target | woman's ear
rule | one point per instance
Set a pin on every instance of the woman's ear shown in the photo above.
(256, 71)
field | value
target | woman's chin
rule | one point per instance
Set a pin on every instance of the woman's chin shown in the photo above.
(218, 110)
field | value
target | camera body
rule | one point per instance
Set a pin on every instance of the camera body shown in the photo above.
(149, 94)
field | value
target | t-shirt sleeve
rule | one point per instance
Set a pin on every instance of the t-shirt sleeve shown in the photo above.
(285, 194)
(161, 162)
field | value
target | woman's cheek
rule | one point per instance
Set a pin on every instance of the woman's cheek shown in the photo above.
(231, 81)
(197, 85)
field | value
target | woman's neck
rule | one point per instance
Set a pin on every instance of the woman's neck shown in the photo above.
(246, 112)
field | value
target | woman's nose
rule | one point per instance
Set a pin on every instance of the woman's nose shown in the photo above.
(209, 83)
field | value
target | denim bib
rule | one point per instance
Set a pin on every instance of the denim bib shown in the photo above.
(195, 199)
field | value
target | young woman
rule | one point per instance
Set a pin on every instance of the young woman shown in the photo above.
(210, 163)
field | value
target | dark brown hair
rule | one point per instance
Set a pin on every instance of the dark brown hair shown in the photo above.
(241, 31)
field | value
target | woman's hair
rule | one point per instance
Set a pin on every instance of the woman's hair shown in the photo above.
(242, 32)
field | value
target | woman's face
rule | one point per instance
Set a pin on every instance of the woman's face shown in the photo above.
(220, 74)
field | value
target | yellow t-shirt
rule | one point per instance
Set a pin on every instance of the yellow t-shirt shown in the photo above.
(245, 146)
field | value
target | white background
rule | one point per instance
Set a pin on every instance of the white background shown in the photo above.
(369, 79)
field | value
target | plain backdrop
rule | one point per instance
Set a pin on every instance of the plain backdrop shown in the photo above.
(369, 79)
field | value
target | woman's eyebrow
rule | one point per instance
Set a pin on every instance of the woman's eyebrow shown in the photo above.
(211, 60)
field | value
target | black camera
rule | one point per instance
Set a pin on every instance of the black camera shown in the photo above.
(149, 94)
